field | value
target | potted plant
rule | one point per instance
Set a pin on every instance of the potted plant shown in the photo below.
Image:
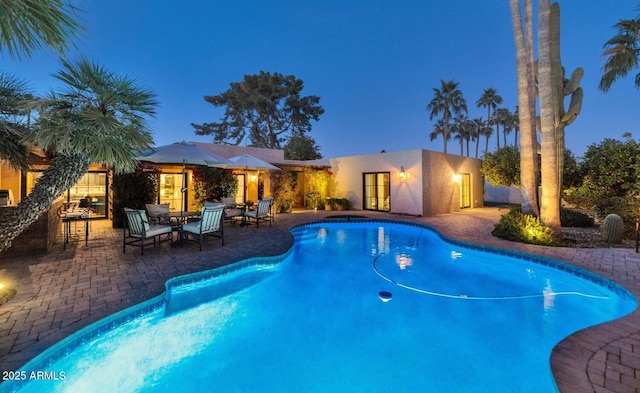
(341, 203)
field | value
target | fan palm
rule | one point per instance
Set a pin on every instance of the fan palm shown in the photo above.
(621, 53)
(478, 129)
(448, 101)
(98, 117)
(490, 100)
(12, 122)
(27, 25)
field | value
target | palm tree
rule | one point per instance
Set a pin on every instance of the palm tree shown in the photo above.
(478, 126)
(13, 122)
(550, 206)
(27, 25)
(490, 100)
(449, 101)
(503, 118)
(622, 52)
(97, 117)
(523, 37)
(438, 130)
(515, 123)
(462, 132)
(487, 131)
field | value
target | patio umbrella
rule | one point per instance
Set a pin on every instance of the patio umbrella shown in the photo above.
(183, 153)
(251, 163)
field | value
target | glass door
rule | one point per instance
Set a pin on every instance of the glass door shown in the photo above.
(170, 190)
(465, 190)
(91, 187)
(376, 191)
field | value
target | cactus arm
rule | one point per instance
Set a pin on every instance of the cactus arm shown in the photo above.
(574, 82)
(574, 107)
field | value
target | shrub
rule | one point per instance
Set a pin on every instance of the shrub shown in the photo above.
(213, 184)
(524, 228)
(283, 184)
(575, 218)
(134, 190)
(313, 199)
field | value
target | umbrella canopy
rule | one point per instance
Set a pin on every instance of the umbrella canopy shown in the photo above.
(183, 153)
(251, 163)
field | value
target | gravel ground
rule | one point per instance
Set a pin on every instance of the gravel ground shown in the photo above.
(591, 238)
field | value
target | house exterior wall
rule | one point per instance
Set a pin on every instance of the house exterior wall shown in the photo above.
(406, 195)
(429, 188)
(441, 188)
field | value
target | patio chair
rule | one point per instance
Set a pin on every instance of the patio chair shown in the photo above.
(261, 213)
(231, 210)
(209, 224)
(137, 229)
(159, 213)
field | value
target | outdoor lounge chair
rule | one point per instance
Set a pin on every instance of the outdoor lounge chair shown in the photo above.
(137, 229)
(261, 213)
(159, 213)
(209, 224)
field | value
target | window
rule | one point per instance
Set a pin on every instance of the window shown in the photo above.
(376, 191)
(93, 187)
(240, 191)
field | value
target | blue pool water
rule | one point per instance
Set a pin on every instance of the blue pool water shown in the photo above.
(459, 320)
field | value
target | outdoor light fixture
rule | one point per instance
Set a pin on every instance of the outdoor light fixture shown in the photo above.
(402, 174)
(457, 178)
(253, 178)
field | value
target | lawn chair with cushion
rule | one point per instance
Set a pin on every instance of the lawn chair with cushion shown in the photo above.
(231, 210)
(209, 224)
(137, 229)
(261, 213)
(159, 213)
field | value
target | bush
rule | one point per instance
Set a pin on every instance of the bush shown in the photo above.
(524, 228)
(283, 184)
(134, 190)
(575, 218)
(211, 184)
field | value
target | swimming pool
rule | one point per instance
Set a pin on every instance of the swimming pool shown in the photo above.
(460, 318)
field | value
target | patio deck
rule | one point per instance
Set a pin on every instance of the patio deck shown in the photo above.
(67, 289)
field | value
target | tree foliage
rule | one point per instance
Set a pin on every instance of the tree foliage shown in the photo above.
(28, 25)
(13, 122)
(301, 147)
(502, 168)
(262, 109)
(448, 101)
(621, 53)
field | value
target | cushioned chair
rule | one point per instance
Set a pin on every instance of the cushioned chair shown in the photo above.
(261, 213)
(231, 210)
(159, 213)
(137, 230)
(209, 224)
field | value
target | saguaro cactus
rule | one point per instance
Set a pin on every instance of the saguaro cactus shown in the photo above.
(612, 229)
(562, 87)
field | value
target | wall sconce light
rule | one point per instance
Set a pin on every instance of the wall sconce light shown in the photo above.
(253, 178)
(457, 178)
(402, 174)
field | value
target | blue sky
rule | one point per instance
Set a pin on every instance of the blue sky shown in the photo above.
(373, 63)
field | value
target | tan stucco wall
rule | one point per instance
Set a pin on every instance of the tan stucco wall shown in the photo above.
(442, 192)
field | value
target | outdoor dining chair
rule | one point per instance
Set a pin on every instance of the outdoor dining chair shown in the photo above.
(209, 224)
(261, 213)
(137, 229)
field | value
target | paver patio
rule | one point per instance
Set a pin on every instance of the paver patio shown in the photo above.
(67, 289)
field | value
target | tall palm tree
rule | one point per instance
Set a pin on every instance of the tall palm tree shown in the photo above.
(515, 122)
(28, 25)
(490, 100)
(523, 37)
(503, 117)
(550, 206)
(97, 117)
(438, 129)
(477, 126)
(462, 132)
(622, 52)
(449, 101)
(487, 131)
(13, 122)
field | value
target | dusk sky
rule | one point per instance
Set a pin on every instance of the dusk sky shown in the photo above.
(373, 63)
